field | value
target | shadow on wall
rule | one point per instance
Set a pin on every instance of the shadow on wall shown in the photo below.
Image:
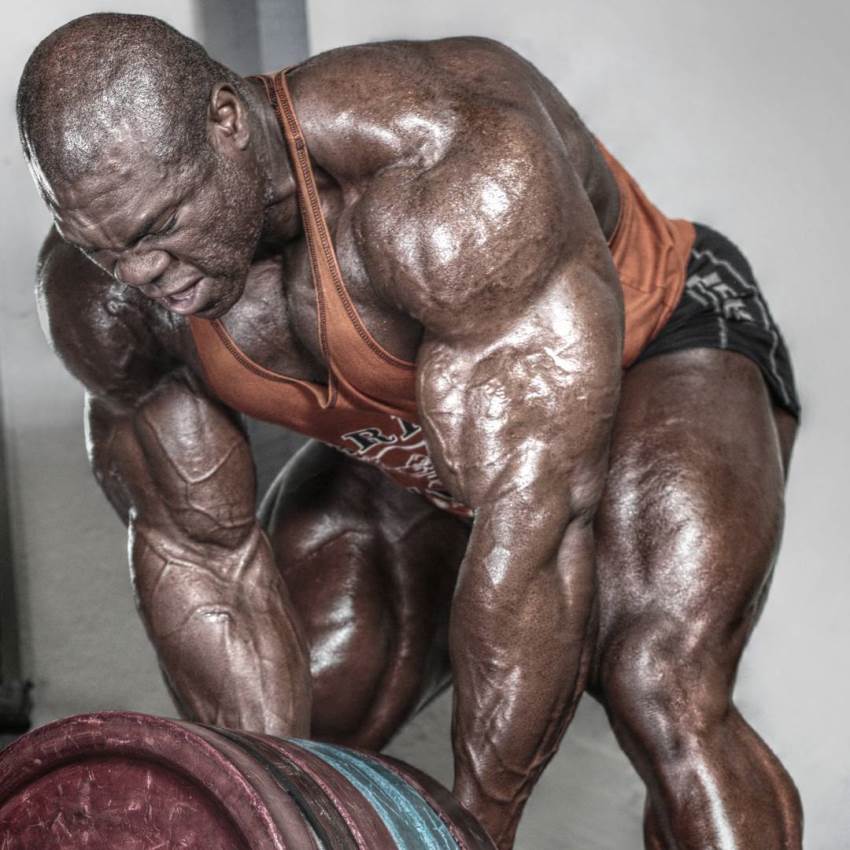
(254, 35)
(15, 704)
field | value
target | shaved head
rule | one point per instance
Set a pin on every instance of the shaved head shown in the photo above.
(104, 79)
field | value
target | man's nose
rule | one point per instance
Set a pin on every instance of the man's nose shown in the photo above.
(141, 268)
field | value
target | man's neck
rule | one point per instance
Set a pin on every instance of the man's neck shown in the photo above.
(282, 221)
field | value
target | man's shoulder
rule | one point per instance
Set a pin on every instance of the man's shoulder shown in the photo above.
(107, 335)
(405, 81)
(365, 108)
(479, 188)
(399, 56)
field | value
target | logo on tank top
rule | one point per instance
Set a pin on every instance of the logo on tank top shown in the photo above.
(367, 438)
(403, 455)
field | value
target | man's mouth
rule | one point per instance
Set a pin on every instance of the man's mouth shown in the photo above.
(187, 300)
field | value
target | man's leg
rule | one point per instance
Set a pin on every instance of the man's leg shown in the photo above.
(371, 570)
(687, 536)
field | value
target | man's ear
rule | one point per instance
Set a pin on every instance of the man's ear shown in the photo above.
(228, 117)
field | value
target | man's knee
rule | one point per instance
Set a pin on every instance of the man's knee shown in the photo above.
(664, 690)
(301, 485)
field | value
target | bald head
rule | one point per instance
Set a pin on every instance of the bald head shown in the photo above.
(103, 80)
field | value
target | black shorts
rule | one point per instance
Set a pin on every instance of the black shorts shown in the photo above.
(722, 307)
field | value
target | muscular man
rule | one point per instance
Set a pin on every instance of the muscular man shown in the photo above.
(418, 254)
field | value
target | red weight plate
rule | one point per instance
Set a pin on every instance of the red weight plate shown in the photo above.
(107, 803)
(190, 761)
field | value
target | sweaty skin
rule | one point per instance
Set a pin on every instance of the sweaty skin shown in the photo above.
(469, 209)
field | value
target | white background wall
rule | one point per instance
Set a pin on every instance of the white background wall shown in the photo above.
(731, 113)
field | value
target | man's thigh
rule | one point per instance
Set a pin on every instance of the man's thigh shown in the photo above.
(690, 522)
(371, 570)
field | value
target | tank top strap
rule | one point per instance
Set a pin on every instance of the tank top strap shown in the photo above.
(323, 263)
(341, 330)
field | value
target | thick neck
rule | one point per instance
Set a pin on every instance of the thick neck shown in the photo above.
(282, 221)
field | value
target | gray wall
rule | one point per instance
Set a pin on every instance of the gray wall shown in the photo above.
(734, 113)
(731, 113)
(253, 35)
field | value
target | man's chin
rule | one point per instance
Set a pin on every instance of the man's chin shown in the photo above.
(214, 310)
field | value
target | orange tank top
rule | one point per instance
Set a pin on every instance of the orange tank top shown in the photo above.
(368, 407)
(650, 253)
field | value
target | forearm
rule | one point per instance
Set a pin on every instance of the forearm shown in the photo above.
(519, 644)
(224, 629)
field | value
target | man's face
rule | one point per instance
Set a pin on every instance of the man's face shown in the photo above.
(183, 235)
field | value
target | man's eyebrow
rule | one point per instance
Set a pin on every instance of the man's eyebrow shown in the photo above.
(148, 223)
(143, 230)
